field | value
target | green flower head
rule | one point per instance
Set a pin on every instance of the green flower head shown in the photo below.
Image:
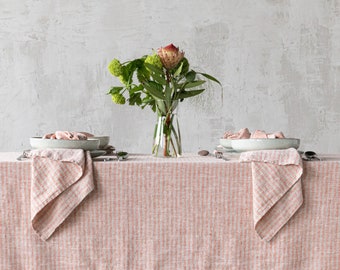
(118, 98)
(154, 60)
(115, 68)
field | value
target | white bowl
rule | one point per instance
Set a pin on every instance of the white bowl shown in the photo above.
(103, 141)
(241, 145)
(89, 144)
(225, 143)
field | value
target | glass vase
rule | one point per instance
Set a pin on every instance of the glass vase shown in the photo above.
(167, 136)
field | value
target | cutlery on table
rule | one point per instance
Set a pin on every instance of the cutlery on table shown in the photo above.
(217, 154)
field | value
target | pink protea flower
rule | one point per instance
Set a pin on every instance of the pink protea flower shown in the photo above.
(170, 56)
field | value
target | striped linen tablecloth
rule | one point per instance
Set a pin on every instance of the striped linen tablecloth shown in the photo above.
(187, 213)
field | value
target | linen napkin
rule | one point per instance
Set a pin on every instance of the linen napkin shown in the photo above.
(277, 188)
(61, 179)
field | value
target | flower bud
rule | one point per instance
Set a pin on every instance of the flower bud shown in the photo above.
(170, 56)
(118, 98)
(115, 68)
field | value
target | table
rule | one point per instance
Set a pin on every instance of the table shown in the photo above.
(156, 213)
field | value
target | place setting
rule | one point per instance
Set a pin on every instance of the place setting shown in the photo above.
(243, 141)
(98, 145)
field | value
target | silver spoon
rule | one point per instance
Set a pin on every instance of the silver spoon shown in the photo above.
(121, 156)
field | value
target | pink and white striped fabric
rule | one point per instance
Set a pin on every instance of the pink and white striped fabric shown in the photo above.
(157, 213)
(277, 188)
(61, 179)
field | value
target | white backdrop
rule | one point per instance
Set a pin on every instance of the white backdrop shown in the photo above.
(278, 61)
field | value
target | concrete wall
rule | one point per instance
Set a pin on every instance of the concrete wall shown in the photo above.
(278, 61)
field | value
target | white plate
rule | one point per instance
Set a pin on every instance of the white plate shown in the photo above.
(241, 145)
(223, 149)
(39, 143)
(225, 143)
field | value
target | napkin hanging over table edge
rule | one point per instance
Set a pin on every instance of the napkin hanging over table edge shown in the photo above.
(61, 179)
(277, 188)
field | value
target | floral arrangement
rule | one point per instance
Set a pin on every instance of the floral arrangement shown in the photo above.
(164, 79)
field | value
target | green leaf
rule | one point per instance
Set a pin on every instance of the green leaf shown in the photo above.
(148, 101)
(190, 76)
(156, 73)
(158, 79)
(187, 94)
(154, 69)
(143, 74)
(135, 99)
(115, 89)
(137, 63)
(168, 92)
(154, 89)
(129, 69)
(136, 88)
(185, 67)
(161, 107)
(179, 70)
(194, 84)
(210, 78)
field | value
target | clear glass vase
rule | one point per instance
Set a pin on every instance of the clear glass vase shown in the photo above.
(167, 136)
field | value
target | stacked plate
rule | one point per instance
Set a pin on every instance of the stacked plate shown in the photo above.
(94, 144)
(241, 145)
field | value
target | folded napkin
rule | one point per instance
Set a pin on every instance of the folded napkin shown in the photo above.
(61, 179)
(277, 188)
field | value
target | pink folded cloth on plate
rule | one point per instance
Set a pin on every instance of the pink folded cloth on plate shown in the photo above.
(61, 179)
(277, 188)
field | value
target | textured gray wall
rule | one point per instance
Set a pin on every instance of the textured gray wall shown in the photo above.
(278, 61)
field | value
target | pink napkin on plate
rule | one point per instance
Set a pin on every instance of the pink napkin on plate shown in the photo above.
(61, 179)
(277, 188)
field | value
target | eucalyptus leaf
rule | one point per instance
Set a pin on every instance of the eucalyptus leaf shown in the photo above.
(210, 77)
(194, 84)
(187, 94)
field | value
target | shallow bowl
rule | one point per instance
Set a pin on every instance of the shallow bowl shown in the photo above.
(225, 143)
(103, 141)
(241, 145)
(40, 143)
